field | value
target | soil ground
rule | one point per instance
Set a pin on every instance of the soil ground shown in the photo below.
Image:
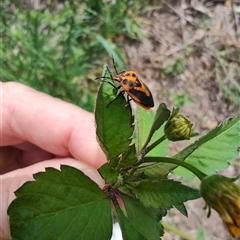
(190, 36)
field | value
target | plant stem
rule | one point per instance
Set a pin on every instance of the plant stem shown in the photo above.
(189, 167)
(144, 151)
(176, 231)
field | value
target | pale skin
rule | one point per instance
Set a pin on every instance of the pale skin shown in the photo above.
(39, 131)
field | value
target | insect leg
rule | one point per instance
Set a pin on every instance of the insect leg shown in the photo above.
(109, 72)
(129, 105)
(128, 99)
(113, 85)
(119, 94)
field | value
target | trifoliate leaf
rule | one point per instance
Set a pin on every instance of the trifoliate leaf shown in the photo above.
(62, 204)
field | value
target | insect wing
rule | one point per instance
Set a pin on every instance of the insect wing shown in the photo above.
(141, 94)
(141, 98)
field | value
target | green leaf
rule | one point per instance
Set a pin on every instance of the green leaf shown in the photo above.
(155, 170)
(166, 193)
(62, 204)
(128, 230)
(161, 116)
(108, 173)
(142, 126)
(212, 151)
(128, 158)
(114, 121)
(146, 122)
(143, 219)
(182, 209)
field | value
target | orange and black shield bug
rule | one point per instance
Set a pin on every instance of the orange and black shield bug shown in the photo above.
(135, 88)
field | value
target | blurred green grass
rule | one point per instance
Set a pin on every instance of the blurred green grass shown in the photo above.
(61, 47)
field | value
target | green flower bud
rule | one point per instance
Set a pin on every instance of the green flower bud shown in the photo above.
(178, 127)
(221, 194)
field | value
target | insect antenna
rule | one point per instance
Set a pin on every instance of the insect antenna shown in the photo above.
(114, 65)
(111, 77)
(102, 78)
